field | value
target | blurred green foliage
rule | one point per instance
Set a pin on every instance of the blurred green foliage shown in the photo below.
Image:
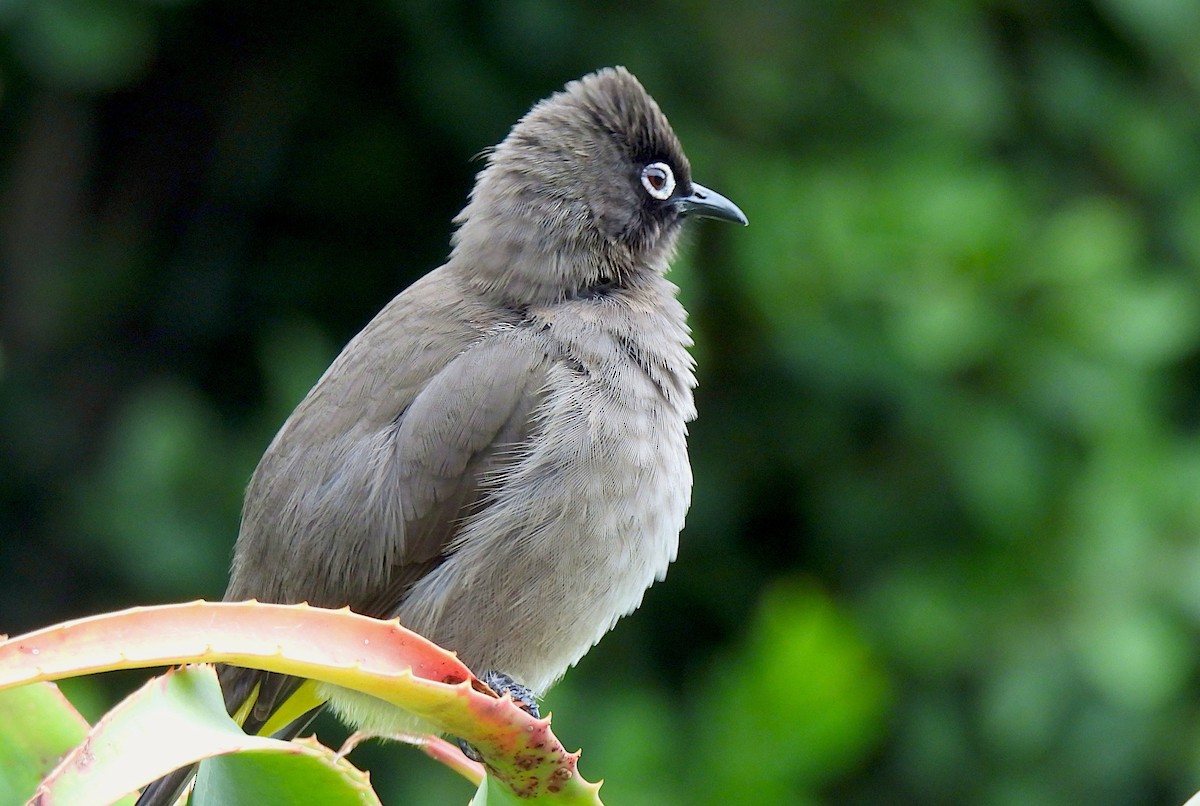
(945, 545)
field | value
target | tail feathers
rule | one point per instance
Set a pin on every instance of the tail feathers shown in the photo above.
(168, 789)
(270, 691)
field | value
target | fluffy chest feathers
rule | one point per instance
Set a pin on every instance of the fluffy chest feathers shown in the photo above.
(527, 468)
(586, 512)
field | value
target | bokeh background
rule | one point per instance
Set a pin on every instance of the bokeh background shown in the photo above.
(945, 543)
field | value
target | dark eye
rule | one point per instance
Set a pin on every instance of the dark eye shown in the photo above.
(659, 180)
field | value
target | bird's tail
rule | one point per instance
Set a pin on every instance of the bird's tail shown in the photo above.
(167, 790)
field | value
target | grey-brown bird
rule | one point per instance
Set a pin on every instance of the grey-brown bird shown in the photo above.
(500, 457)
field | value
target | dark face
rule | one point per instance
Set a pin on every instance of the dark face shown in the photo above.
(636, 148)
(591, 184)
(631, 197)
(664, 195)
(660, 183)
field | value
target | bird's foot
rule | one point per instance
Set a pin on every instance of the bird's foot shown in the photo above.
(502, 684)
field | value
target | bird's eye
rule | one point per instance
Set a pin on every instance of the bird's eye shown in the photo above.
(659, 180)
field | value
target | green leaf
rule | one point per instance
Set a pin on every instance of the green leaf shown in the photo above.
(380, 658)
(299, 773)
(176, 720)
(37, 728)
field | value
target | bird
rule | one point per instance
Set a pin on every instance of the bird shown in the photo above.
(499, 458)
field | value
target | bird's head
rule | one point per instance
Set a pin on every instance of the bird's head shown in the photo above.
(589, 188)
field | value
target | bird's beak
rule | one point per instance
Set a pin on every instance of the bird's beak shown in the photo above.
(707, 203)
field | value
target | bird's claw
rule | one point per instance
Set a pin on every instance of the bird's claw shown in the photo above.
(502, 684)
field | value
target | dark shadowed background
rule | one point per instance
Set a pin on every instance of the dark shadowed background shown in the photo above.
(945, 540)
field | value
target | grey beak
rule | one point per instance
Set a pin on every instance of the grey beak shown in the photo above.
(707, 203)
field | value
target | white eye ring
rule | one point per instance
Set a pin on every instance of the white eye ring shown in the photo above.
(659, 180)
